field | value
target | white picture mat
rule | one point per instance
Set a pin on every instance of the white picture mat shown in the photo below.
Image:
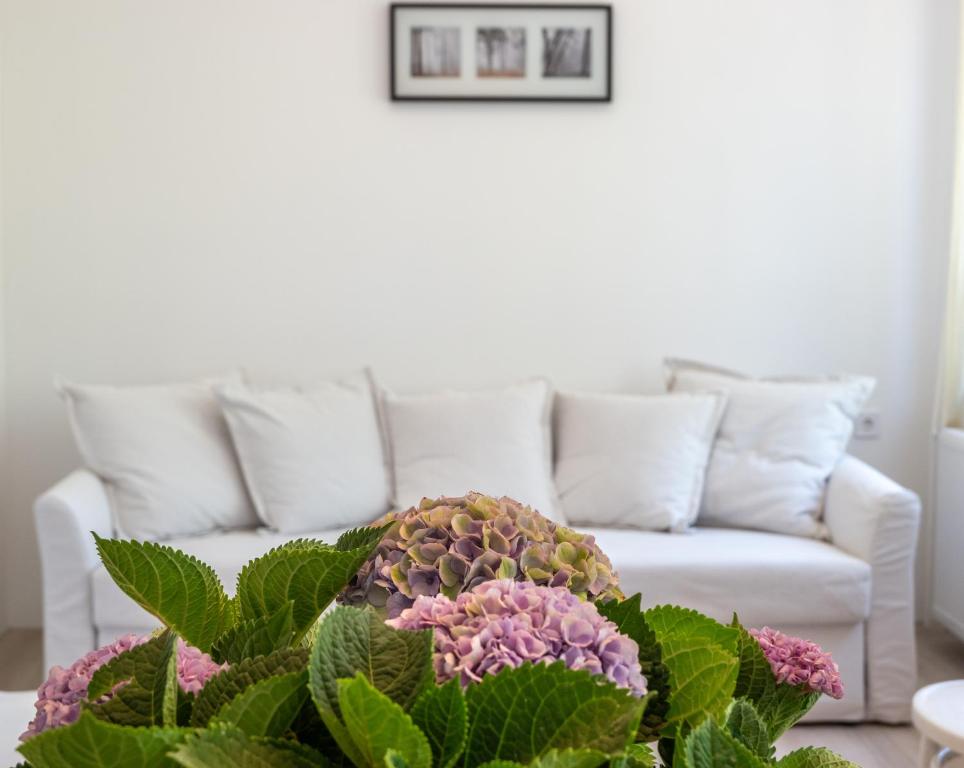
(468, 84)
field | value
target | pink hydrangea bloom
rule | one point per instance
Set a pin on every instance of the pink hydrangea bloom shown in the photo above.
(59, 698)
(799, 662)
(505, 623)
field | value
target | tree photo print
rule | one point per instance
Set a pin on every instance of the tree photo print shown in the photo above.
(436, 51)
(501, 52)
(566, 52)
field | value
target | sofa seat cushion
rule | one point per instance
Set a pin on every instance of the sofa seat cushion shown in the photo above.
(226, 552)
(766, 578)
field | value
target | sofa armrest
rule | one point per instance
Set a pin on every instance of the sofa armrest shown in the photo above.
(877, 520)
(65, 515)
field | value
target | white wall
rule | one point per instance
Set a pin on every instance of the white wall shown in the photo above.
(197, 184)
(4, 510)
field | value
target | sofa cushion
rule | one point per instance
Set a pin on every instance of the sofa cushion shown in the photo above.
(766, 578)
(778, 443)
(165, 455)
(635, 461)
(312, 457)
(496, 442)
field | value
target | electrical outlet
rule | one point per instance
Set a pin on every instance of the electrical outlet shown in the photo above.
(867, 426)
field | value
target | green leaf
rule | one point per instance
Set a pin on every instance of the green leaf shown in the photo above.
(307, 573)
(377, 724)
(268, 707)
(224, 687)
(147, 680)
(630, 620)
(779, 705)
(814, 757)
(351, 640)
(224, 747)
(673, 620)
(178, 589)
(394, 760)
(701, 656)
(709, 746)
(635, 756)
(256, 637)
(570, 758)
(441, 713)
(520, 714)
(93, 743)
(362, 538)
(755, 679)
(746, 726)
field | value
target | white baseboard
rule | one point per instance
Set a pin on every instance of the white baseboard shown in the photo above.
(954, 625)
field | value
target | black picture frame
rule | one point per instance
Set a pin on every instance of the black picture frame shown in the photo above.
(604, 8)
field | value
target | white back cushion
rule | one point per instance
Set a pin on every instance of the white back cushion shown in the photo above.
(778, 444)
(165, 455)
(450, 443)
(634, 461)
(312, 457)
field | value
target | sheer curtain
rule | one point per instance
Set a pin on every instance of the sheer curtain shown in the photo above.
(950, 400)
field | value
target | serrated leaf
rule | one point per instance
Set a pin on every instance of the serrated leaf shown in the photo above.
(441, 713)
(673, 620)
(755, 678)
(570, 758)
(635, 756)
(256, 637)
(779, 705)
(145, 679)
(520, 714)
(814, 757)
(93, 743)
(629, 619)
(701, 656)
(307, 573)
(709, 746)
(352, 640)
(180, 590)
(268, 707)
(225, 686)
(231, 748)
(362, 538)
(377, 724)
(746, 726)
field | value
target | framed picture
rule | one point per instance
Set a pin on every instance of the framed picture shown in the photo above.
(502, 52)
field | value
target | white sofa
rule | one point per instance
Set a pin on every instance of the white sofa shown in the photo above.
(854, 595)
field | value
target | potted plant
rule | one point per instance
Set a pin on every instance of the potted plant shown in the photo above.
(472, 633)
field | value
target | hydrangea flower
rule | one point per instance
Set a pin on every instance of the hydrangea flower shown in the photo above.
(505, 623)
(448, 545)
(799, 662)
(59, 698)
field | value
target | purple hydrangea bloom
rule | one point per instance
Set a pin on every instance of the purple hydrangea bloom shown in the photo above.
(799, 662)
(505, 623)
(448, 545)
(59, 698)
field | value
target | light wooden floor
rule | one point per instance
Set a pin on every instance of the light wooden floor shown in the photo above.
(941, 657)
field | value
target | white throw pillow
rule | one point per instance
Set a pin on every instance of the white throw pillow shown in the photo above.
(496, 442)
(312, 457)
(165, 455)
(634, 461)
(778, 444)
